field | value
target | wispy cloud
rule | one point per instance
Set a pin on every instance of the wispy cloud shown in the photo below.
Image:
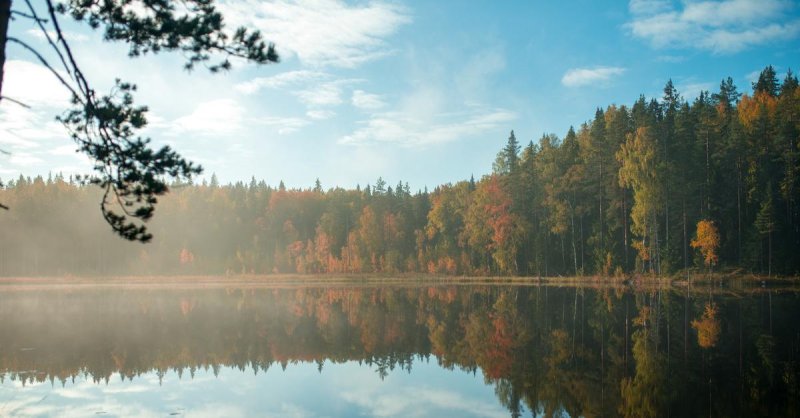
(320, 114)
(691, 89)
(577, 77)
(24, 159)
(285, 79)
(407, 130)
(328, 93)
(408, 400)
(322, 32)
(225, 117)
(725, 26)
(68, 35)
(649, 6)
(68, 149)
(367, 101)
(25, 129)
(34, 85)
(284, 125)
(214, 117)
(22, 128)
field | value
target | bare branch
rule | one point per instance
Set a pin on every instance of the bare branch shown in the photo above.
(45, 63)
(28, 16)
(39, 22)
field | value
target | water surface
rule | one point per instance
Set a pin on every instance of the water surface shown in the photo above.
(480, 350)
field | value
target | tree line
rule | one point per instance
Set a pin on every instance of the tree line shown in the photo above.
(663, 186)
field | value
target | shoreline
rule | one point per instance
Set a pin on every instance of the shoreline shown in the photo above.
(721, 281)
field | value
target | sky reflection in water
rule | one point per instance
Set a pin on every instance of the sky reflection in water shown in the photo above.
(340, 390)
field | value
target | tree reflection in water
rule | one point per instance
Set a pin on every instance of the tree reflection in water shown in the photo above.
(547, 350)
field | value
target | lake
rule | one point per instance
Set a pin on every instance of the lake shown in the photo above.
(346, 350)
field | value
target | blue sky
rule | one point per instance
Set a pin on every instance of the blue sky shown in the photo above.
(419, 91)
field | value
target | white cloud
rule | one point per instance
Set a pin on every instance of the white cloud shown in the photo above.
(367, 101)
(406, 129)
(34, 85)
(320, 114)
(321, 32)
(214, 117)
(648, 6)
(285, 125)
(690, 90)
(725, 26)
(24, 129)
(577, 77)
(68, 35)
(24, 159)
(68, 149)
(323, 94)
(408, 401)
(753, 76)
(480, 70)
(288, 78)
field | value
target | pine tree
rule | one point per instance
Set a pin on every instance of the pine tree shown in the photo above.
(767, 82)
(765, 224)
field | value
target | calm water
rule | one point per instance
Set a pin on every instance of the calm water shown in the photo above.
(347, 351)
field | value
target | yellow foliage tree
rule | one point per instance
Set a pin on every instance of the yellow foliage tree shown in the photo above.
(708, 327)
(707, 241)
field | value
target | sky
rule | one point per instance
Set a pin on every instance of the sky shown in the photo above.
(424, 92)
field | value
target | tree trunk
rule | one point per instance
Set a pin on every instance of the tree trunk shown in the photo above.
(769, 255)
(685, 252)
(574, 251)
(5, 16)
(625, 229)
(739, 210)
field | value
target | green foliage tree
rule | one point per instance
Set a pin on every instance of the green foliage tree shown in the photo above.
(767, 82)
(508, 158)
(638, 158)
(765, 224)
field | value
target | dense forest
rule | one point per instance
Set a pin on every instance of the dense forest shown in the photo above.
(660, 187)
(557, 350)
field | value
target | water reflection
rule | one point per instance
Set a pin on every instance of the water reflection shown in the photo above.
(544, 350)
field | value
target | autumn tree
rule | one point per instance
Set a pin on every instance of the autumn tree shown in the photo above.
(707, 242)
(492, 227)
(637, 157)
(707, 327)
(572, 205)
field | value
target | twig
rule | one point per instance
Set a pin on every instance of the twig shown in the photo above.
(45, 63)
(15, 101)
(39, 22)
(25, 15)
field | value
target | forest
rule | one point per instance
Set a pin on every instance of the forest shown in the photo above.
(661, 187)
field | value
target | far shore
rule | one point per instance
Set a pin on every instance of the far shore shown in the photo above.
(721, 281)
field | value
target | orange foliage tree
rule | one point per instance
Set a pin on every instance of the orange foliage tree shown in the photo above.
(707, 241)
(708, 327)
